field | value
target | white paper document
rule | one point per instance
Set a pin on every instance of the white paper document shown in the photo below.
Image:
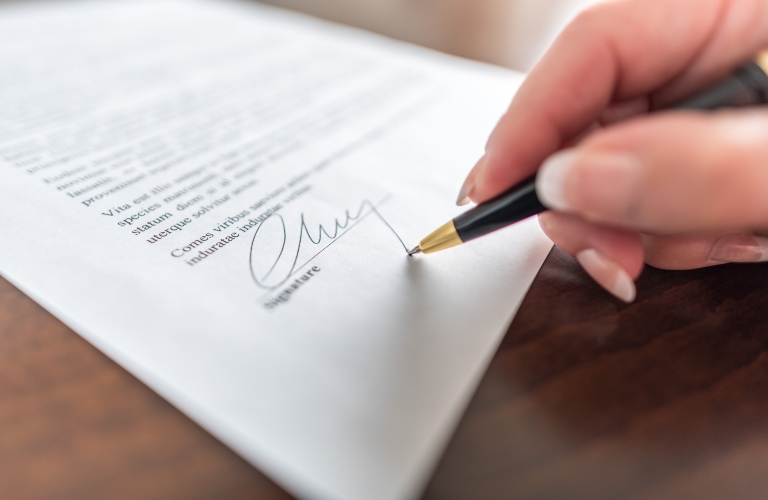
(220, 197)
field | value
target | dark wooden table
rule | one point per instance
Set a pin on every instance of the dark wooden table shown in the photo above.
(586, 398)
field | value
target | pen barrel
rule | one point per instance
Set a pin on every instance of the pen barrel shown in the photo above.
(507, 208)
(748, 86)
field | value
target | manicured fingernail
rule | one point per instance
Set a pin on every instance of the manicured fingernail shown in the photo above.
(740, 248)
(550, 181)
(463, 198)
(469, 183)
(545, 221)
(608, 274)
(604, 185)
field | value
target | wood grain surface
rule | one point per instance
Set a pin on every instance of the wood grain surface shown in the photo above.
(590, 398)
(586, 398)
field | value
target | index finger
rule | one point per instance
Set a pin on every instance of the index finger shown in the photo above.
(614, 52)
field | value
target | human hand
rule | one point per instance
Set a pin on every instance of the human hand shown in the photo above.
(678, 190)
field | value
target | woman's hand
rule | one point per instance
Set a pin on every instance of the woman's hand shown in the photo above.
(678, 190)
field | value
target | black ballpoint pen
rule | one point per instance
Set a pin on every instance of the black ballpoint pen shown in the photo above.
(747, 86)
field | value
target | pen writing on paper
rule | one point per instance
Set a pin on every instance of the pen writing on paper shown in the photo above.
(319, 236)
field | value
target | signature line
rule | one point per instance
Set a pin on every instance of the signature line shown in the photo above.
(334, 238)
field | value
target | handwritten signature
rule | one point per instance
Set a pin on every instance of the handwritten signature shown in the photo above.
(279, 269)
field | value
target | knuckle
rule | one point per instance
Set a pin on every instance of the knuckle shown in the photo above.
(589, 16)
(598, 17)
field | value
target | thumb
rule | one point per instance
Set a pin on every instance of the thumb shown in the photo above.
(668, 173)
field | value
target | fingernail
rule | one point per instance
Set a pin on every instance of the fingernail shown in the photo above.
(463, 198)
(604, 185)
(740, 248)
(608, 274)
(469, 183)
(550, 181)
(545, 219)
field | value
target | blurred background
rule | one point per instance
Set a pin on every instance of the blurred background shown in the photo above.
(511, 33)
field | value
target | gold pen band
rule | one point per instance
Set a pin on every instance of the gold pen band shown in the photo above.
(443, 237)
(746, 87)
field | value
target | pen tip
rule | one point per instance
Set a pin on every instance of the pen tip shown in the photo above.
(414, 251)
